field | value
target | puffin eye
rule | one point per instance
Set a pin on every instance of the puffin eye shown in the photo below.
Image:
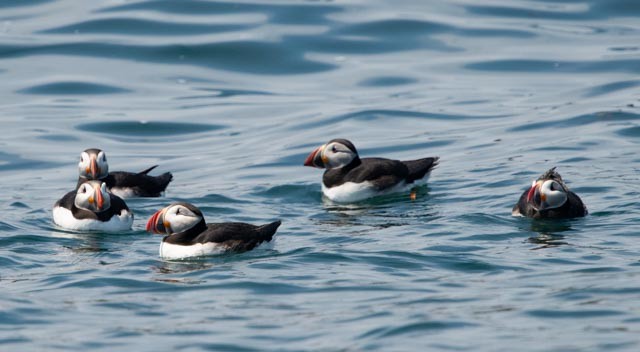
(334, 149)
(178, 211)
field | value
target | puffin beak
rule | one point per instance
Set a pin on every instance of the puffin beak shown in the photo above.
(533, 192)
(99, 198)
(156, 222)
(93, 169)
(315, 158)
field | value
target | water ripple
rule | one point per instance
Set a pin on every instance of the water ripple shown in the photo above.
(244, 56)
(559, 66)
(72, 88)
(147, 129)
(135, 26)
(279, 13)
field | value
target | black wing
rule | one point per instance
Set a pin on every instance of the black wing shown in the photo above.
(67, 201)
(146, 171)
(117, 205)
(238, 236)
(142, 184)
(383, 173)
(523, 207)
(572, 208)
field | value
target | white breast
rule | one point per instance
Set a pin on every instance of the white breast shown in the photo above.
(119, 223)
(123, 192)
(176, 251)
(349, 192)
(353, 192)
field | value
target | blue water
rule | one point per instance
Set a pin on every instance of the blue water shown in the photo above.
(232, 96)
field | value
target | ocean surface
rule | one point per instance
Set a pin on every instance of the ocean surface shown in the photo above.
(231, 97)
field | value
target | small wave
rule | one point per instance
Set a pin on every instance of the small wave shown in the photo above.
(72, 88)
(147, 129)
(135, 26)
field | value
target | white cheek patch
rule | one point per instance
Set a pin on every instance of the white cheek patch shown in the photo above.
(339, 159)
(181, 223)
(82, 201)
(554, 199)
(83, 164)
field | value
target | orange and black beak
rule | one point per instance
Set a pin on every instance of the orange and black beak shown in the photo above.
(93, 169)
(315, 159)
(534, 196)
(97, 198)
(156, 223)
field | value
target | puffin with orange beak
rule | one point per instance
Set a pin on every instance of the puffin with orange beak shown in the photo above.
(348, 178)
(549, 197)
(188, 235)
(93, 166)
(92, 208)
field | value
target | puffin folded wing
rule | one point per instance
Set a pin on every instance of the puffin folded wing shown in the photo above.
(420, 167)
(236, 236)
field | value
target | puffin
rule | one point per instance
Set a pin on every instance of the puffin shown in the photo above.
(348, 178)
(93, 166)
(188, 235)
(549, 198)
(92, 208)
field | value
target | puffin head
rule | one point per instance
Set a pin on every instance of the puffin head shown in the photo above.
(548, 191)
(93, 164)
(93, 196)
(174, 218)
(337, 153)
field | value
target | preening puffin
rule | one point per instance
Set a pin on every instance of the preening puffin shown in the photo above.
(549, 197)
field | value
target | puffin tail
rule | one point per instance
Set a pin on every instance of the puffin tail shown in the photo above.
(146, 171)
(164, 179)
(421, 167)
(262, 233)
(267, 231)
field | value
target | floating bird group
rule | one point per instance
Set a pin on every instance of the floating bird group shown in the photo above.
(97, 202)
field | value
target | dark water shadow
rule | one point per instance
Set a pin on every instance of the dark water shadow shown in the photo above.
(12, 162)
(72, 88)
(147, 129)
(549, 233)
(136, 26)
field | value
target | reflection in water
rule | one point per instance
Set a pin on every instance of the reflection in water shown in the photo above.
(85, 241)
(380, 212)
(548, 236)
(181, 267)
(547, 240)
